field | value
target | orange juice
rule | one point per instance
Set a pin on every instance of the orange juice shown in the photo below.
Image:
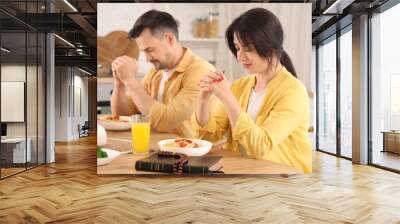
(140, 137)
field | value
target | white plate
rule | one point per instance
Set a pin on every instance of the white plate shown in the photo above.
(123, 124)
(112, 154)
(201, 151)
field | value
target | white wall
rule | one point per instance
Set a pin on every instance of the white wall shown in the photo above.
(61, 103)
(34, 125)
(69, 85)
(295, 19)
(12, 73)
(80, 94)
(13, 99)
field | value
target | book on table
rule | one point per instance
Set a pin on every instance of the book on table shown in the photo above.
(195, 165)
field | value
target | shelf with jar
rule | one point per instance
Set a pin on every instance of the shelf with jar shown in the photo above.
(207, 27)
(202, 39)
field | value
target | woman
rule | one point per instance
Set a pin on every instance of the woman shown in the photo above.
(264, 114)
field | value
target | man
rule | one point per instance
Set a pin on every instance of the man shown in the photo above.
(168, 92)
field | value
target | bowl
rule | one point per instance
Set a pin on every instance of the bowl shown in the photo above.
(111, 155)
(123, 124)
(204, 148)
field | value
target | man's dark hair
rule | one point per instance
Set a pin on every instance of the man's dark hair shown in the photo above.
(156, 21)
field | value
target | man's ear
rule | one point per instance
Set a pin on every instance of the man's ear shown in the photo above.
(170, 38)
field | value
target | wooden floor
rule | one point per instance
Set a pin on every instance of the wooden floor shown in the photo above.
(387, 159)
(10, 171)
(69, 191)
(5, 172)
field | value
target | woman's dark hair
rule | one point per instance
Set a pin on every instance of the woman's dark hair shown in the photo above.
(261, 29)
(156, 21)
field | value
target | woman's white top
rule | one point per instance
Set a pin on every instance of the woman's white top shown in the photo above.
(255, 103)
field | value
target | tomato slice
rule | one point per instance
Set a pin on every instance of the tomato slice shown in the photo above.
(182, 144)
(188, 141)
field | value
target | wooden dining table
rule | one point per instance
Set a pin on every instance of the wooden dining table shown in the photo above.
(232, 162)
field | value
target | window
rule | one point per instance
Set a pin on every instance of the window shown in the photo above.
(22, 74)
(346, 93)
(385, 89)
(327, 97)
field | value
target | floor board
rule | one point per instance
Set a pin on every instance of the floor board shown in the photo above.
(70, 191)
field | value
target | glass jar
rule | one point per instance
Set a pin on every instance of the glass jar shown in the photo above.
(201, 27)
(213, 24)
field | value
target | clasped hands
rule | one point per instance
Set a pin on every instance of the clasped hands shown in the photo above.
(124, 70)
(215, 83)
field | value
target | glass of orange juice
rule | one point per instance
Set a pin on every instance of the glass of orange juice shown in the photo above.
(140, 131)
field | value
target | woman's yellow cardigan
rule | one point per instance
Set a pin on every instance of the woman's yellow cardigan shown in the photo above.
(280, 131)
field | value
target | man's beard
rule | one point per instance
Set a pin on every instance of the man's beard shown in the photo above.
(159, 65)
(163, 65)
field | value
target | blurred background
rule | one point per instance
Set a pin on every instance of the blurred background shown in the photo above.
(202, 29)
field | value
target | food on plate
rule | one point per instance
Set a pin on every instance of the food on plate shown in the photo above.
(183, 143)
(115, 123)
(101, 153)
(189, 147)
(110, 118)
(113, 118)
